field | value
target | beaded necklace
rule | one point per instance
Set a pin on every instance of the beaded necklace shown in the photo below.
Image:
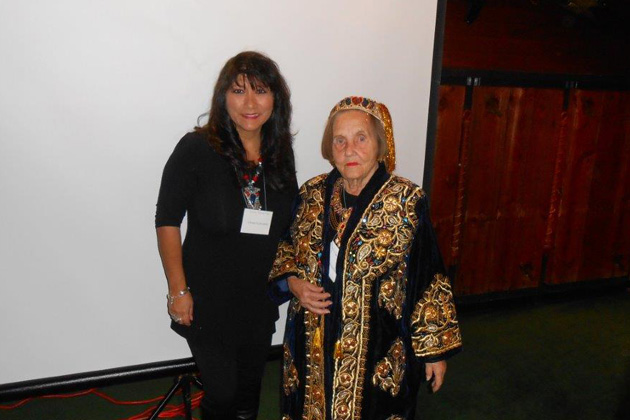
(251, 194)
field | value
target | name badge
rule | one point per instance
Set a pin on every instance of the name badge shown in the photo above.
(332, 265)
(256, 222)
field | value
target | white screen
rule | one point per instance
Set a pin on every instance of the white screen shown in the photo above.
(94, 96)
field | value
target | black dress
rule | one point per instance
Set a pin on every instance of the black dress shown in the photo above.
(225, 269)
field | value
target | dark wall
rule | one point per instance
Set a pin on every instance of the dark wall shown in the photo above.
(531, 166)
(538, 36)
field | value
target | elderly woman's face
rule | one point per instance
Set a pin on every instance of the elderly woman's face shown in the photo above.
(355, 147)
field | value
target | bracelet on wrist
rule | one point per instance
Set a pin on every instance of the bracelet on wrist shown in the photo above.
(171, 298)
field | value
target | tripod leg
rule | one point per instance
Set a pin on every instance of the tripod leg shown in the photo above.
(167, 397)
(186, 379)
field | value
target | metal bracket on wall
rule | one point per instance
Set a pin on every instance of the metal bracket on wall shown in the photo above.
(568, 86)
(471, 82)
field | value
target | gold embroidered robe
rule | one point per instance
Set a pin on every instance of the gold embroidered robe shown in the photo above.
(392, 307)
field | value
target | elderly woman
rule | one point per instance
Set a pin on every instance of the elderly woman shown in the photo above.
(370, 307)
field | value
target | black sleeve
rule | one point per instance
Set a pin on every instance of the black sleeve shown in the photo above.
(178, 184)
(435, 333)
(284, 264)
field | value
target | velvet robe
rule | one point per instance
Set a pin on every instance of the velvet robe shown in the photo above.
(392, 307)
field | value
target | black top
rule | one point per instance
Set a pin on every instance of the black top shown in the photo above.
(225, 269)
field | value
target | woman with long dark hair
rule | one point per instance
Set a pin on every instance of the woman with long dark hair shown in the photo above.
(234, 178)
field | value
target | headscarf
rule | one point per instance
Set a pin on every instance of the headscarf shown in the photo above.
(381, 113)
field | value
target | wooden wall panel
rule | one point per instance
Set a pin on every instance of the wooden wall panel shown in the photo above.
(511, 162)
(451, 121)
(621, 248)
(518, 179)
(479, 264)
(589, 243)
(529, 170)
(610, 176)
(575, 188)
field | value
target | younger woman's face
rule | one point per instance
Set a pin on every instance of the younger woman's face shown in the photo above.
(249, 107)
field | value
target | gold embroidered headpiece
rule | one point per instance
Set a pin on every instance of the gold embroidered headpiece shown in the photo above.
(381, 113)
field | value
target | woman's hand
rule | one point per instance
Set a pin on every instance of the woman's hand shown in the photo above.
(181, 310)
(170, 246)
(311, 297)
(436, 371)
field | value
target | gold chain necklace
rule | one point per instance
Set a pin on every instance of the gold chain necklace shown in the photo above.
(339, 215)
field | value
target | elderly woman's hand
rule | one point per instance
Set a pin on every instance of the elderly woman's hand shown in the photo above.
(435, 374)
(181, 310)
(311, 297)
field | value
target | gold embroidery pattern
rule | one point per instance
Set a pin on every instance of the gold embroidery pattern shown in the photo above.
(389, 372)
(314, 395)
(294, 308)
(306, 232)
(379, 243)
(392, 292)
(394, 417)
(290, 380)
(435, 329)
(284, 261)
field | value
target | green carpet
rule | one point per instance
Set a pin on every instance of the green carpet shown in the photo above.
(562, 360)
(566, 360)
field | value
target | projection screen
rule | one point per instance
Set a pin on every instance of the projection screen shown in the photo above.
(95, 95)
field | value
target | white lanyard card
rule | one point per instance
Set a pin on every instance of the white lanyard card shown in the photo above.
(256, 222)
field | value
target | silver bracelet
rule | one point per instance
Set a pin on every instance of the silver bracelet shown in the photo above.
(171, 298)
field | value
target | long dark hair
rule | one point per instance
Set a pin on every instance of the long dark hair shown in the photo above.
(276, 148)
